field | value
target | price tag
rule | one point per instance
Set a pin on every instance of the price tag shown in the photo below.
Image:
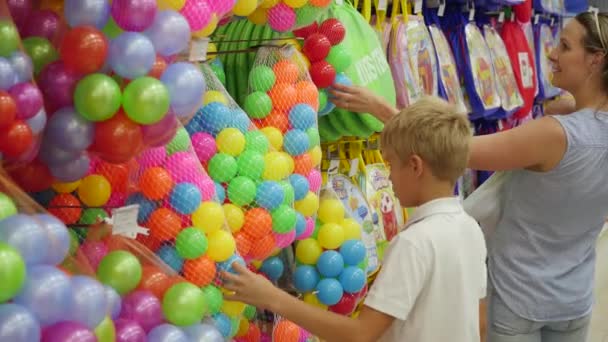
(536, 19)
(417, 6)
(198, 49)
(501, 17)
(441, 10)
(382, 5)
(334, 167)
(552, 21)
(472, 14)
(124, 222)
(354, 167)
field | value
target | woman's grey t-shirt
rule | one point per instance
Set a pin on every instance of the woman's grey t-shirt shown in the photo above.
(542, 256)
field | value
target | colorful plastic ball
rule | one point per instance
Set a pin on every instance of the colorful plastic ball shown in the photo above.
(204, 332)
(296, 142)
(7, 206)
(200, 271)
(251, 164)
(305, 278)
(314, 140)
(240, 120)
(186, 85)
(209, 28)
(330, 264)
(204, 145)
(241, 190)
(28, 99)
(323, 74)
(88, 295)
(146, 206)
(285, 331)
(142, 307)
(58, 238)
(258, 223)
(121, 270)
(273, 268)
(283, 219)
(331, 236)
(9, 36)
(221, 245)
(334, 30)
(197, 13)
(289, 197)
(269, 195)
(308, 205)
(171, 257)
(94, 190)
(346, 305)
(331, 211)
(41, 51)
(352, 279)
(353, 251)
(12, 273)
(261, 78)
(22, 66)
(97, 97)
(283, 96)
(213, 298)
(133, 15)
(316, 47)
(8, 75)
(17, 323)
(256, 141)
(227, 264)
(128, 330)
(306, 30)
(222, 167)
(170, 33)
(231, 141)
(16, 139)
(180, 142)
(339, 58)
(258, 105)
(167, 333)
(209, 217)
(155, 183)
(8, 109)
(274, 136)
(243, 8)
(235, 218)
(286, 71)
(329, 291)
(131, 55)
(146, 100)
(67, 331)
(308, 251)
(45, 293)
(213, 117)
(343, 79)
(281, 17)
(84, 41)
(302, 116)
(300, 225)
(284, 240)
(214, 96)
(295, 3)
(65, 207)
(91, 12)
(25, 234)
(185, 198)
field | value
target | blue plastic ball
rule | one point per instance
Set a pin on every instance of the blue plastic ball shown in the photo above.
(329, 107)
(353, 252)
(222, 323)
(87, 12)
(302, 116)
(22, 66)
(300, 185)
(8, 77)
(300, 224)
(329, 291)
(169, 256)
(269, 195)
(113, 302)
(88, 296)
(273, 268)
(58, 238)
(330, 264)
(167, 333)
(26, 234)
(146, 206)
(227, 265)
(352, 279)
(17, 323)
(220, 192)
(185, 198)
(296, 142)
(206, 332)
(240, 120)
(186, 85)
(131, 55)
(213, 118)
(170, 33)
(305, 278)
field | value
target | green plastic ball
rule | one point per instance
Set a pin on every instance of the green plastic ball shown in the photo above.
(74, 242)
(120, 270)
(7, 207)
(213, 298)
(283, 219)
(191, 243)
(41, 51)
(146, 100)
(92, 215)
(289, 193)
(111, 29)
(308, 14)
(97, 97)
(9, 36)
(180, 142)
(241, 191)
(222, 167)
(322, 99)
(184, 304)
(261, 78)
(219, 72)
(12, 272)
(251, 164)
(339, 58)
(256, 141)
(258, 105)
(313, 137)
(249, 312)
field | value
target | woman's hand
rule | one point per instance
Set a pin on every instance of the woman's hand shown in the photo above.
(361, 100)
(250, 288)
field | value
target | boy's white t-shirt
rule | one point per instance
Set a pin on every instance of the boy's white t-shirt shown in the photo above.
(433, 276)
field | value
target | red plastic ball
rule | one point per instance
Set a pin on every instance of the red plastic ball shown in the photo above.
(32, 177)
(334, 30)
(316, 47)
(306, 31)
(323, 74)
(346, 305)
(84, 49)
(15, 139)
(118, 139)
(8, 109)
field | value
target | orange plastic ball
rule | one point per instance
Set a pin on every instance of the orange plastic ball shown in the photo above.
(156, 183)
(243, 243)
(286, 71)
(275, 119)
(200, 272)
(319, 3)
(258, 223)
(164, 224)
(308, 94)
(283, 96)
(154, 280)
(286, 331)
(263, 248)
(116, 174)
(66, 207)
(303, 164)
(149, 241)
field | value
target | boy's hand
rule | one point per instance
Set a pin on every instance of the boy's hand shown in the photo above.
(249, 288)
(361, 100)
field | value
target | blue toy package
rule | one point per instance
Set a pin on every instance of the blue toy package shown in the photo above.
(544, 42)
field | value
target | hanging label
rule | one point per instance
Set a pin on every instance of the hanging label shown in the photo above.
(354, 167)
(441, 10)
(382, 5)
(198, 49)
(472, 14)
(124, 222)
(501, 17)
(527, 79)
(536, 18)
(552, 21)
(417, 6)
(334, 167)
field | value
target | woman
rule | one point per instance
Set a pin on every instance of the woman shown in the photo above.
(541, 264)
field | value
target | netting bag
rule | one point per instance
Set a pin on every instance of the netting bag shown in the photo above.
(331, 267)
(287, 331)
(286, 16)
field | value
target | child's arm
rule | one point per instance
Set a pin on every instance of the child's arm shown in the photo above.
(256, 290)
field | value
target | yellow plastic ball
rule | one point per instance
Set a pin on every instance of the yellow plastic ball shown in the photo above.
(175, 5)
(316, 155)
(257, 264)
(221, 245)
(290, 164)
(295, 3)
(209, 217)
(243, 8)
(331, 236)
(331, 211)
(94, 190)
(274, 136)
(207, 30)
(234, 217)
(308, 251)
(308, 205)
(276, 166)
(214, 96)
(267, 4)
(243, 327)
(312, 299)
(259, 16)
(233, 309)
(231, 141)
(352, 229)
(276, 252)
(66, 188)
(211, 51)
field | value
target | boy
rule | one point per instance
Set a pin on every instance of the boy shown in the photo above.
(434, 273)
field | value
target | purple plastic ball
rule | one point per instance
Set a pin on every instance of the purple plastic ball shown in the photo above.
(133, 15)
(28, 99)
(68, 331)
(144, 308)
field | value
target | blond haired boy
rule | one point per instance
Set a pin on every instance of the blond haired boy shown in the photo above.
(434, 272)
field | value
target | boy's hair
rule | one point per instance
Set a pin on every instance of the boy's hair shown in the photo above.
(434, 130)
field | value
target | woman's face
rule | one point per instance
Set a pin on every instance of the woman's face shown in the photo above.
(572, 64)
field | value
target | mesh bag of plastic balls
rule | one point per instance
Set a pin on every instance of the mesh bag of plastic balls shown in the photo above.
(283, 15)
(22, 114)
(287, 331)
(331, 263)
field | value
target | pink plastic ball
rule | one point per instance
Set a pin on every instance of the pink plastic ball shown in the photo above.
(281, 17)
(183, 167)
(204, 146)
(133, 15)
(116, 200)
(94, 251)
(310, 228)
(315, 180)
(152, 157)
(304, 336)
(221, 7)
(284, 240)
(207, 187)
(197, 13)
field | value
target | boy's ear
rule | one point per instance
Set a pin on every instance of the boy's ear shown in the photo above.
(416, 164)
